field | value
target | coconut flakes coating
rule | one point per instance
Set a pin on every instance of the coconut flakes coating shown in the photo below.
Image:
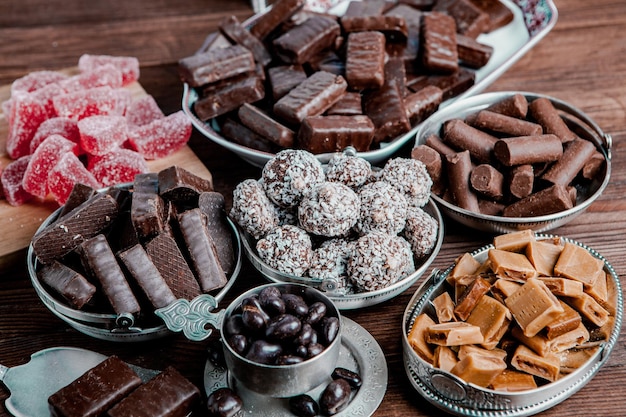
(330, 259)
(409, 176)
(383, 209)
(349, 170)
(330, 209)
(289, 175)
(286, 248)
(420, 231)
(252, 209)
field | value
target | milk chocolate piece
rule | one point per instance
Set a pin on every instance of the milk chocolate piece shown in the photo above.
(439, 43)
(499, 14)
(459, 168)
(284, 78)
(304, 41)
(575, 155)
(213, 206)
(328, 61)
(215, 101)
(348, 105)
(393, 27)
(215, 65)
(167, 394)
(233, 30)
(433, 162)
(97, 390)
(488, 181)
(202, 251)
(507, 125)
(71, 285)
(592, 167)
(79, 194)
(365, 60)
(419, 4)
(437, 144)
(533, 149)
(259, 122)
(148, 214)
(324, 134)
(147, 276)
(514, 106)
(181, 186)
(548, 201)
(544, 112)
(472, 53)
(423, 103)
(521, 181)
(311, 98)
(451, 84)
(281, 10)
(406, 51)
(240, 134)
(490, 207)
(465, 137)
(470, 20)
(366, 8)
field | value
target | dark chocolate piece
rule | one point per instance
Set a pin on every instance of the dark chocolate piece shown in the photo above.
(463, 136)
(79, 194)
(459, 168)
(406, 51)
(419, 4)
(181, 186)
(366, 8)
(499, 14)
(365, 60)
(487, 181)
(233, 30)
(259, 122)
(71, 285)
(434, 165)
(328, 61)
(544, 112)
(229, 96)
(490, 207)
(452, 85)
(437, 144)
(147, 182)
(304, 41)
(324, 134)
(284, 78)
(470, 20)
(423, 103)
(439, 43)
(348, 105)
(213, 205)
(393, 27)
(97, 390)
(215, 65)
(521, 181)
(240, 134)
(575, 155)
(534, 149)
(214, 40)
(548, 201)
(506, 125)
(472, 53)
(593, 165)
(148, 213)
(281, 10)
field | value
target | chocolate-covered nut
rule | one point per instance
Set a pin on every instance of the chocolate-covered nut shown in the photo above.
(253, 316)
(283, 327)
(302, 351)
(330, 329)
(314, 349)
(262, 351)
(295, 304)
(289, 359)
(303, 406)
(239, 343)
(351, 377)
(215, 353)
(234, 324)
(317, 311)
(272, 303)
(224, 402)
(335, 396)
(307, 335)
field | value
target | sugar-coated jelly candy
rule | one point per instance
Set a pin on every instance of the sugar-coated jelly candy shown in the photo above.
(161, 137)
(103, 133)
(11, 179)
(127, 64)
(68, 171)
(27, 113)
(43, 160)
(36, 80)
(118, 166)
(63, 126)
(94, 101)
(101, 76)
(143, 110)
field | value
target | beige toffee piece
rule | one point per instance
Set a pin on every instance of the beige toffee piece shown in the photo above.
(543, 255)
(513, 381)
(577, 263)
(533, 306)
(453, 334)
(511, 265)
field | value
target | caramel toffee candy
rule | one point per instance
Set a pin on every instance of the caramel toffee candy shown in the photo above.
(179, 185)
(439, 43)
(499, 14)
(240, 134)
(348, 105)
(521, 181)
(85, 221)
(507, 125)
(168, 259)
(533, 149)
(514, 106)
(544, 112)
(417, 337)
(451, 84)
(470, 297)
(259, 122)
(394, 27)
(100, 261)
(79, 194)
(423, 103)
(365, 60)
(233, 30)
(465, 137)
(453, 333)
(167, 394)
(323, 134)
(550, 200)
(444, 307)
(533, 306)
(147, 276)
(512, 265)
(281, 10)
(215, 65)
(202, 250)
(97, 390)
(304, 41)
(213, 206)
(284, 78)
(229, 96)
(459, 169)
(546, 367)
(575, 155)
(488, 181)
(472, 53)
(71, 285)
(478, 369)
(148, 213)
(311, 98)
(470, 20)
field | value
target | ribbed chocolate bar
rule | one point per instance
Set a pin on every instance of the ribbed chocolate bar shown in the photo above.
(365, 60)
(284, 78)
(213, 206)
(215, 65)
(97, 390)
(215, 101)
(406, 51)
(233, 30)
(472, 53)
(71, 285)
(304, 41)
(423, 103)
(324, 134)
(348, 105)
(499, 14)
(452, 85)
(281, 10)
(243, 136)
(439, 42)
(147, 213)
(393, 27)
(261, 123)
(181, 186)
(79, 194)
(470, 20)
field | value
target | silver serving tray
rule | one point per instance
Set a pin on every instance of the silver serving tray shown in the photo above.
(532, 21)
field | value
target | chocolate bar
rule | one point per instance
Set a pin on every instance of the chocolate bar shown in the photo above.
(181, 186)
(463, 136)
(281, 10)
(304, 41)
(348, 105)
(365, 60)
(79, 194)
(393, 27)
(451, 84)
(506, 125)
(71, 285)
(284, 78)
(262, 124)
(547, 201)
(533, 149)
(94, 392)
(544, 112)
(233, 30)
(213, 206)
(470, 20)
(459, 168)
(218, 100)
(328, 61)
(472, 53)
(147, 213)
(240, 134)
(406, 51)
(423, 103)
(215, 65)
(439, 43)
(214, 40)
(499, 14)
(324, 134)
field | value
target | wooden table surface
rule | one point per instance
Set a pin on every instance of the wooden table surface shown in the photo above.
(582, 61)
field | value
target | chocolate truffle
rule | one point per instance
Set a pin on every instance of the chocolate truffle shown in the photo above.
(383, 209)
(410, 177)
(330, 209)
(420, 231)
(349, 170)
(330, 259)
(252, 209)
(286, 248)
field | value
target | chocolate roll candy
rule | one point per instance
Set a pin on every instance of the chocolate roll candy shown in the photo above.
(547, 201)
(452, 84)
(544, 112)
(284, 78)
(169, 260)
(181, 186)
(71, 285)
(533, 149)
(393, 27)
(490, 207)
(439, 53)
(233, 30)
(365, 60)
(281, 11)
(79, 194)
(506, 125)
(215, 65)
(202, 251)
(434, 165)
(472, 53)
(99, 260)
(243, 136)
(593, 165)
(147, 276)
(521, 181)
(514, 106)
(304, 41)
(463, 136)
(213, 206)
(423, 103)
(575, 155)
(167, 394)
(215, 101)
(499, 14)
(470, 20)
(97, 390)
(488, 181)
(459, 169)
(324, 134)
(84, 222)
(437, 144)
(262, 124)
(350, 104)
(311, 98)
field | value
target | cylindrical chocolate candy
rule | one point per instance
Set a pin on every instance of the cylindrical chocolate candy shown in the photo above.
(542, 110)
(528, 149)
(550, 200)
(487, 181)
(433, 162)
(514, 106)
(575, 155)
(508, 125)
(437, 144)
(465, 137)
(459, 168)
(521, 181)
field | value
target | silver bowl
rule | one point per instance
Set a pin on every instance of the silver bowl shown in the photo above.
(452, 394)
(584, 127)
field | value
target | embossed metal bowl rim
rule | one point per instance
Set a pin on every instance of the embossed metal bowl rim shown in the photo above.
(477, 401)
(543, 9)
(356, 300)
(500, 224)
(111, 326)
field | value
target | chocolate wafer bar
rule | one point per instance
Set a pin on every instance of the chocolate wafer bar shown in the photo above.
(365, 60)
(243, 136)
(216, 64)
(219, 99)
(284, 78)
(261, 123)
(470, 20)
(213, 206)
(472, 53)
(301, 43)
(451, 84)
(393, 27)
(233, 30)
(324, 134)
(181, 186)
(281, 10)
(79, 194)
(422, 103)
(348, 105)
(439, 41)
(70, 284)
(147, 213)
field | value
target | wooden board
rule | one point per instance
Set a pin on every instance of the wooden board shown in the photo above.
(18, 224)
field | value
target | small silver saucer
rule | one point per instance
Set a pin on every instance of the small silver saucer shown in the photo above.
(359, 353)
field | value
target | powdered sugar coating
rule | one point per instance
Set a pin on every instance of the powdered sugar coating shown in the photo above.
(286, 248)
(252, 210)
(330, 209)
(383, 209)
(409, 176)
(420, 231)
(290, 174)
(349, 170)
(330, 259)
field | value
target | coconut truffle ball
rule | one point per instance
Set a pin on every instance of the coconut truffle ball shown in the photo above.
(349, 170)
(286, 248)
(383, 209)
(410, 177)
(330, 209)
(289, 175)
(252, 209)
(378, 260)
(330, 259)
(420, 231)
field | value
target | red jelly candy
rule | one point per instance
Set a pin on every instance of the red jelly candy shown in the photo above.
(128, 65)
(55, 126)
(11, 179)
(68, 171)
(103, 76)
(116, 167)
(143, 110)
(43, 160)
(36, 80)
(91, 102)
(101, 134)
(27, 113)
(162, 137)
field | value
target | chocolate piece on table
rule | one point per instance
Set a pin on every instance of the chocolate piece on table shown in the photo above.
(259, 122)
(243, 136)
(508, 126)
(167, 394)
(451, 84)
(470, 20)
(179, 185)
(348, 105)
(311, 98)
(85, 221)
(215, 101)
(213, 206)
(423, 103)
(306, 40)
(514, 106)
(79, 194)
(459, 168)
(499, 14)
(533, 149)
(99, 261)
(488, 181)
(472, 53)
(281, 10)
(324, 134)
(575, 155)
(233, 30)
(439, 53)
(147, 276)
(97, 390)
(393, 27)
(521, 181)
(284, 78)
(547, 201)
(201, 250)
(71, 285)
(463, 136)
(365, 60)
(543, 111)
(215, 65)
